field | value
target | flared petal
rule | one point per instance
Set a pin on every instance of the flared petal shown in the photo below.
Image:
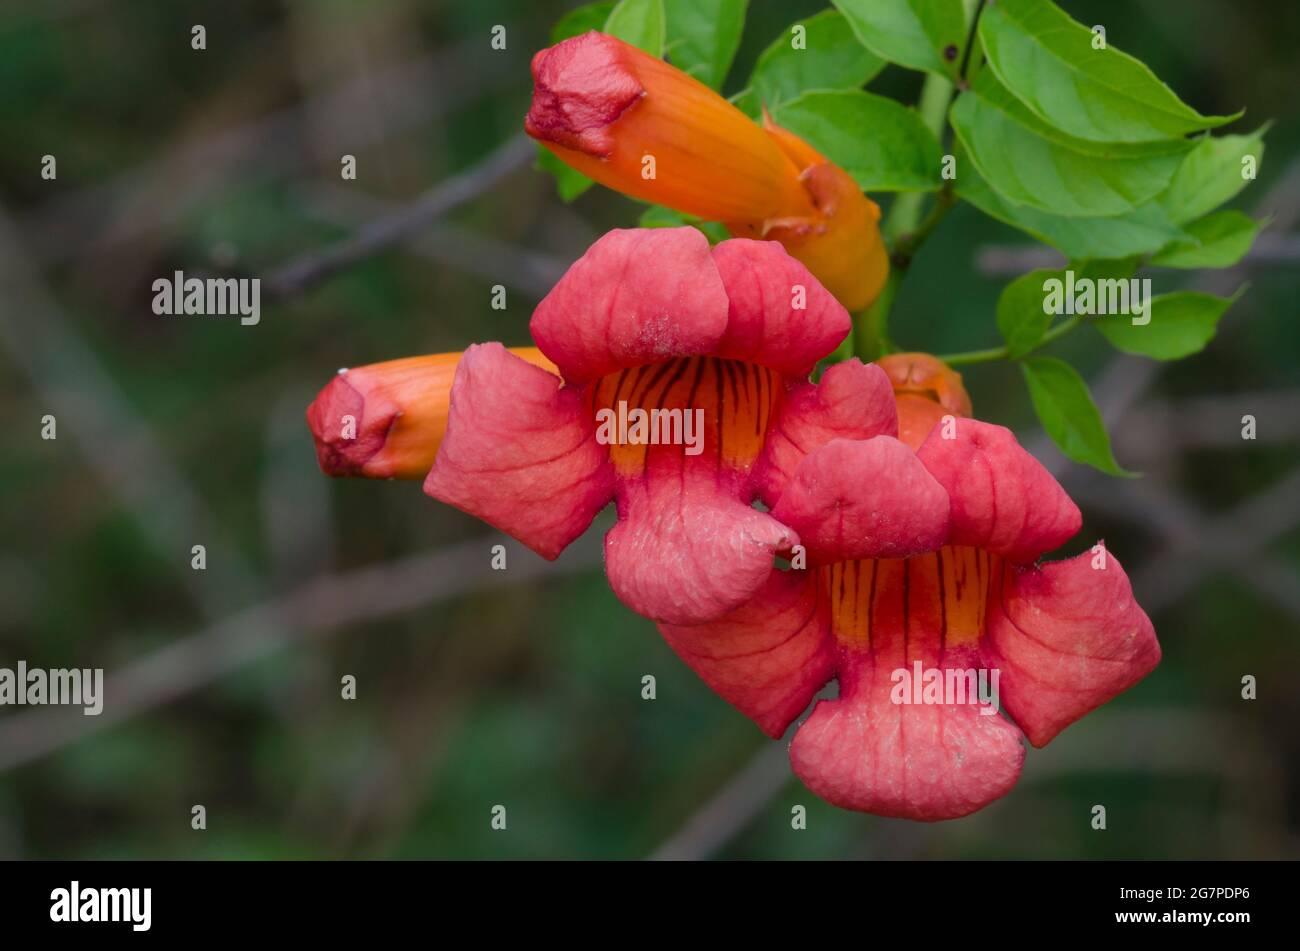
(1002, 498)
(852, 401)
(870, 498)
(876, 748)
(779, 315)
(638, 296)
(686, 550)
(925, 762)
(1068, 637)
(770, 656)
(520, 452)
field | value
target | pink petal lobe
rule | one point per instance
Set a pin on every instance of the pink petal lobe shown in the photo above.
(925, 762)
(638, 296)
(340, 400)
(686, 550)
(780, 316)
(869, 498)
(1068, 637)
(851, 401)
(871, 751)
(1003, 500)
(520, 452)
(580, 87)
(769, 656)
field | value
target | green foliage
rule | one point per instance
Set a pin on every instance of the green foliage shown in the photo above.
(703, 36)
(569, 183)
(1211, 174)
(1023, 312)
(882, 144)
(583, 19)
(639, 22)
(1220, 239)
(1180, 324)
(831, 58)
(1022, 319)
(1031, 163)
(920, 34)
(1054, 65)
(1068, 414)
(657, 216)
(1143, 230)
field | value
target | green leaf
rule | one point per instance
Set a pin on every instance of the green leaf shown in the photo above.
(1029, 163)
(1177, 326)
(1022, 318)
(830, 58)
(658, 216)
(921, 34)
(1218, 240)
(1141, 231)
(1049, 62)
(568, 182)
(883, 145)
(703, 36)
(583, 19)
(639, 22)
(1025, 308)
(1068, 414)
(1211, 174)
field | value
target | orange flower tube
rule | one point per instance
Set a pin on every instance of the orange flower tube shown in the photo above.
(925, 390)
(387, 420)
(644, 128)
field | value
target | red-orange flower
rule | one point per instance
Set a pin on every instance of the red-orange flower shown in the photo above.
(1055, 640)
(647, 129)
(387, 420)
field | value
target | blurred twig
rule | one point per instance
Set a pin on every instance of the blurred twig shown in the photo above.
(1012, 260)
(321, 606)
(310, 268)
(534, 272)
(163, 190)
(732, 808)
(119, 447)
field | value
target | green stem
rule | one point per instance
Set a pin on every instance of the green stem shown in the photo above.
(871, 326)
(1004, 353)
(905, 232)
(933, 109)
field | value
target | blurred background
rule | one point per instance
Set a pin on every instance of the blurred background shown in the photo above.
(523, 687)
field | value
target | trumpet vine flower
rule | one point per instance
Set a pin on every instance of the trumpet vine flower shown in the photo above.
(1063, 638)
(650, 324)
(644, 128)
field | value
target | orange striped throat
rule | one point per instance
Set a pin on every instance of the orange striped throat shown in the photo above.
(711, 408)
(912, 609)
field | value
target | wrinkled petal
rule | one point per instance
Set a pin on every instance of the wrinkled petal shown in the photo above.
(852, 401)
(1068, 637)
(1002, 498)
(913, 761)
(870, 498)
(868, 750)
(638, 296)
(686, 550)
(779, 315)
(520, 452)
(769, 656)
